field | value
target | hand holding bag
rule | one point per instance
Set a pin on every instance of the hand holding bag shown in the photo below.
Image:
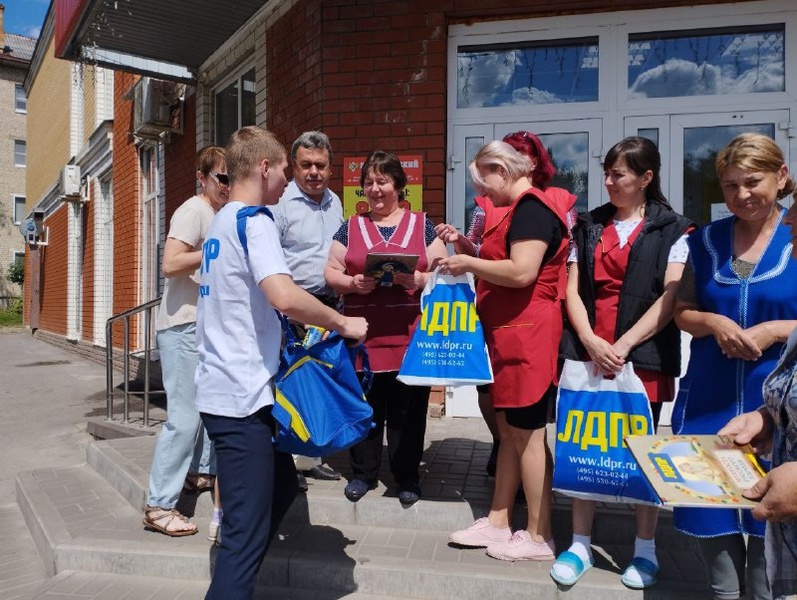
(447, 347)
(320, 406)
(593, 415)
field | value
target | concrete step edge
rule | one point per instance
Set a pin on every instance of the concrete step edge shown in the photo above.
(45, 525)
(324, 504)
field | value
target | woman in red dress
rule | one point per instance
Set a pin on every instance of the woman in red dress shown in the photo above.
(485, 215)
(521, 273)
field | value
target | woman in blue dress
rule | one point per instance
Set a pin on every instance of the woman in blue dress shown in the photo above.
(738, 300)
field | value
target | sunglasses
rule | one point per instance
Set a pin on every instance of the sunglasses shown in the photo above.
(221, 178)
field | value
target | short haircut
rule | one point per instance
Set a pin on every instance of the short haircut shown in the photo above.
(529, 144)
(495, 155)
(209, 157)
(385, 163)
(247, 148)
(754, 152)
(312, 140)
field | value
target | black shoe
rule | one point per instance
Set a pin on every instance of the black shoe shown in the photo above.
(409, 494)
(322, 472)
(357, 488)
(302, 482)
(492, 461)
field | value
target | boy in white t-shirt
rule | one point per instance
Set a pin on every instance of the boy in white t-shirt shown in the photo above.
(238, 339)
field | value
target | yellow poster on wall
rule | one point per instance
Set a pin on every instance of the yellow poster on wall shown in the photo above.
(354, 200)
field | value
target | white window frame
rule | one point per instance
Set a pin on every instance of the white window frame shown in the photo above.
(17, 255)
(224, 83)
(103, 256)
(613, 106)
(23, 145)
(18, 217)
(23, 109)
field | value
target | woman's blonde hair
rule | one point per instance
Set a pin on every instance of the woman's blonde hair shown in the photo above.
(757, 153)
(499, 155)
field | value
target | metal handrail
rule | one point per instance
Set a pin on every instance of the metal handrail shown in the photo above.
(146, 308)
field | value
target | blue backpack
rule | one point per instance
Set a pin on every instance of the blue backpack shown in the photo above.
(320, 405)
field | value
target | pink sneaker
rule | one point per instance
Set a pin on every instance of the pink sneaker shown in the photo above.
(480, 535)
(521, 547)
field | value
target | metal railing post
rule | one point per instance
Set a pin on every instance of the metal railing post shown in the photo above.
(126, 418)
(147, 319)
(109, 370)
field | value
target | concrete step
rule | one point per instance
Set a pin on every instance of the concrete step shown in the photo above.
(456, 491)
(79, 522)
(90, 586)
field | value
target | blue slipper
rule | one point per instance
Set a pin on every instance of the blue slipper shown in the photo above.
(648, 571)
(572, 560)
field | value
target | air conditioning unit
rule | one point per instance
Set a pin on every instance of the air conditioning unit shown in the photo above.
(156, 107)
(70, 181)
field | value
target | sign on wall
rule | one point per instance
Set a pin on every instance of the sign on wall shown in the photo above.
(354, 200)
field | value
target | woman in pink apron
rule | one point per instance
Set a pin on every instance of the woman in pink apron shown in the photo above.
(392, 306)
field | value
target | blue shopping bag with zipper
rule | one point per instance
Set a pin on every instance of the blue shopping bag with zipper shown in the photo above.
(447, 347)
(319, 405)
(593, 416)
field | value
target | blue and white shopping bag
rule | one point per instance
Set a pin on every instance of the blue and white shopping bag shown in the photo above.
(593, 415)
(447, 347)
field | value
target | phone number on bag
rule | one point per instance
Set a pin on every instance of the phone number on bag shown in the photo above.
(442, 362)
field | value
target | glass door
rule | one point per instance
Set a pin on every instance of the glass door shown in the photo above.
(574, 147)
(689, 145)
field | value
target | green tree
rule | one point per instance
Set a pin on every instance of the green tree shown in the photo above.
(16, 273)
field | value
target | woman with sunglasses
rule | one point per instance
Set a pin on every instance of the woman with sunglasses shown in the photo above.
(183, 454)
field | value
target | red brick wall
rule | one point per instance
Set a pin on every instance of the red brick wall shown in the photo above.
(180, 159)
(372, 73)
(53, 295)
(127, 215)
(295, 82)
(87, 317)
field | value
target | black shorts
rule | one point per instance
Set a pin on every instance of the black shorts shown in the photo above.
(531, 417)
(484, 388)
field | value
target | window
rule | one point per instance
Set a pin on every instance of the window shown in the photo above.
(19, 260)
(234, 106)
(527, 73)
(705, 63)
(20, 102)
(20, 153)
(19, 209)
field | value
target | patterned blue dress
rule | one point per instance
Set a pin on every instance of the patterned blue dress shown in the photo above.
(780, 395)
(716, 388)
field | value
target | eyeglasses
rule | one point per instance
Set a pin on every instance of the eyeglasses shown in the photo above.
(221, 178)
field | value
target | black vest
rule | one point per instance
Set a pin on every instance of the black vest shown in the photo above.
(642, 286)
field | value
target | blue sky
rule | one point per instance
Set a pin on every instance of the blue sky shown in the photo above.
(24, 17)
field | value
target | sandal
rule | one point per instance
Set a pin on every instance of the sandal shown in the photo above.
(572, 560)
(196, 483)
(160, 519)
(647, 570)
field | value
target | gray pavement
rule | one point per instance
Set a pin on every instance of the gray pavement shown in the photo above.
(49, 393)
